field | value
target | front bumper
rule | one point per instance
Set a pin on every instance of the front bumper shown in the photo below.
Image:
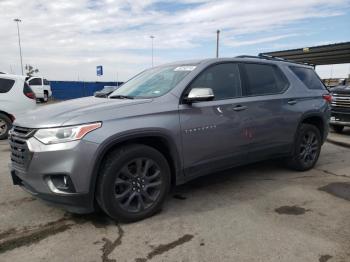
(75, 203)
(340, 118)
(73, 159)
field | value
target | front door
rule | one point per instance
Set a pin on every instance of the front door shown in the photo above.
(212, 131)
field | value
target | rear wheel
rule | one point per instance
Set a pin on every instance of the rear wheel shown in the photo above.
(5, 126)
(133, 183)
(307, 148)
(337, 129)
(46, 97)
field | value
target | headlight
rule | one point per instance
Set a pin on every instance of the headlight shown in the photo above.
(64, 134)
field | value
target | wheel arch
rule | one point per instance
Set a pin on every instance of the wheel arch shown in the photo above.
(8, 115)
(317, 120)
(155, 139)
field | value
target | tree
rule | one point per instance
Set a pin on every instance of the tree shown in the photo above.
(30, 70)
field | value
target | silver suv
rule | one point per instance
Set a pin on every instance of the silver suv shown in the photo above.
(166, 126)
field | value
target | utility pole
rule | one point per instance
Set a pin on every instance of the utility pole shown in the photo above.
(217, 43)
(152, 37)
(17, 20)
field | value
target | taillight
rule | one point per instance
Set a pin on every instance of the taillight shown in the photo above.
(30, 95)
(328, 97)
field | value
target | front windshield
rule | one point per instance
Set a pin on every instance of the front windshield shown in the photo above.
(153, 82)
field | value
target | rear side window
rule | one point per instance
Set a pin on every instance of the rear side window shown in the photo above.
(263, 79)
(46, 82)
(223, 79)
(6, 85)
(26, 88)
(35, 82)
(308, 77)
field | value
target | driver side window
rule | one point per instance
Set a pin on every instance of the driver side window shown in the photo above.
(223, 79)
(35, 82)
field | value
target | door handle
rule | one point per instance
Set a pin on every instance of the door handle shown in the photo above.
(292, 102)
(239, 108)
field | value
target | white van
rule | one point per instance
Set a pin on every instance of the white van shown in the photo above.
(41, 87)
(15, 97)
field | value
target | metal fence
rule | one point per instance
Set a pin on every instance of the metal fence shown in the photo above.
(64, 90)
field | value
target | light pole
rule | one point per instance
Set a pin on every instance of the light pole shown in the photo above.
(17, 20)
(217, 43)
(152, 37)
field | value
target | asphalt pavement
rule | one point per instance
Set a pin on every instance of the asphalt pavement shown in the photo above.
(260, 212)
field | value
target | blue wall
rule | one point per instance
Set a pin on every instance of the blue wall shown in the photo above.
(63, 90)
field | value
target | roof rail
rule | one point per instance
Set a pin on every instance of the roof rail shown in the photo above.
(273, 58)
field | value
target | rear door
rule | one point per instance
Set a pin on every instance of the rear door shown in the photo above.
(47, 87)
(211, 131)
(265, 89)
(12, 97)
(6, 99)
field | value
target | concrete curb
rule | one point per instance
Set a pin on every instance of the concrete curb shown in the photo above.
(338, 143)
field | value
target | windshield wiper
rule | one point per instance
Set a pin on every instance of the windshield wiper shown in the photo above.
(122, 97)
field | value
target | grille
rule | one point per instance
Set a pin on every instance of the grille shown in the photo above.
(341, 101)
(20, 155)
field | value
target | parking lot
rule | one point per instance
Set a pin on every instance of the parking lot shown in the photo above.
(261, 212)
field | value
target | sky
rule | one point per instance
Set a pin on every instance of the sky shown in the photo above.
(67, 39)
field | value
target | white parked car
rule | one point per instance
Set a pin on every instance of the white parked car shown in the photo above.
(16, 97)
(41, 87)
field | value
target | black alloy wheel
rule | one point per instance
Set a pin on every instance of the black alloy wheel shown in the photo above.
(133, 182)
(137, 184)
(309, 147)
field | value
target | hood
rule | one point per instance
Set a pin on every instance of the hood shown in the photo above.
(341, 90)
(60, 113)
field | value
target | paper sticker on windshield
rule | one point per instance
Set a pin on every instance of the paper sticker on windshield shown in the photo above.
(185, 68)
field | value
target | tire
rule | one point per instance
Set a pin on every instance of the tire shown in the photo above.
(337, 129)
(45, 99)
(307, 148)
(5, 126)
(133, 183)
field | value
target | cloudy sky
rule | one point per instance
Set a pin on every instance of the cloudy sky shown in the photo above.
(66, 39)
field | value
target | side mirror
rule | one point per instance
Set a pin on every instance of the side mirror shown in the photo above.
(199, 94)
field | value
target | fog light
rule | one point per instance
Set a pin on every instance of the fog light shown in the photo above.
(60, 184)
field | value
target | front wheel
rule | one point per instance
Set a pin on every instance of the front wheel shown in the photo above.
(307, 148)
(133, 183)
(337, 129)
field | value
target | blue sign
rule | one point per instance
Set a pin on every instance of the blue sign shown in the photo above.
(99, 70)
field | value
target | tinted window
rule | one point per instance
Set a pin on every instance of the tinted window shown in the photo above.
(35, 82)
(261, 79)
(6, 85)
(223, 79)
(46, 82)
(26, 88)
(308, 77)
